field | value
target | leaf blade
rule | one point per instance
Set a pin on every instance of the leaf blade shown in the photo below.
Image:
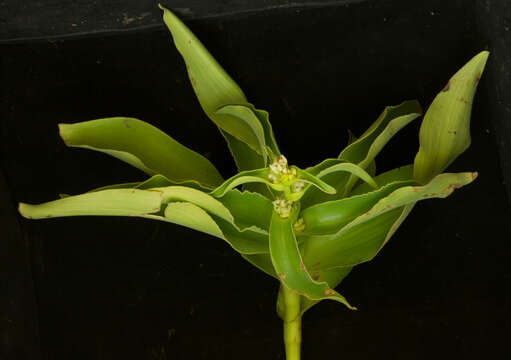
(289, 266)
(142, 146)
(445, 130)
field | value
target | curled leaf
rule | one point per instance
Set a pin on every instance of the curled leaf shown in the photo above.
(290, 267)
(142, 146)
(361, 239)
(445, 130)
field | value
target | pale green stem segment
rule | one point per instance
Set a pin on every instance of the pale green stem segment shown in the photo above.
(292, 323)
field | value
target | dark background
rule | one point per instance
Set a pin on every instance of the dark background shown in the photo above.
(116, 288)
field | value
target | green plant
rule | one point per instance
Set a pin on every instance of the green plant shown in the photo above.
(307, 228)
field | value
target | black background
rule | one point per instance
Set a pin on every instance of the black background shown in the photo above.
(116, 288)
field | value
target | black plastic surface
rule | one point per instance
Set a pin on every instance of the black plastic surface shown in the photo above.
(120, 288)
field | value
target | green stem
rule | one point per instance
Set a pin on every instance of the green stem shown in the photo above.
(292, 323)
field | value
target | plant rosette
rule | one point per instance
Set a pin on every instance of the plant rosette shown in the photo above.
(307, 228)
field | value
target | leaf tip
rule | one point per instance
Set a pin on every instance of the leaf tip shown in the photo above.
(22, 209)
(64, 131)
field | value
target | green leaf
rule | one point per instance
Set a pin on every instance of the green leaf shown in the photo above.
(402, 173)
(244, 177)
(332, 169)
(214, 87)
(331, 216)
(142, 146)
(445, 130)
(119, 202)
(191, 216)
(243, 119)
(248, 208)
(153, 182)
(289, 266)
(183, 206)
(199, 198)
(362, 238)
(332, 277)
(251, 240)
(365, 149)
(353, 169)
(269, 137)
(308, 178)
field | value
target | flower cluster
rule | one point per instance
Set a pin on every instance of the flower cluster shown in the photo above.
(283, 207)
(280, 172)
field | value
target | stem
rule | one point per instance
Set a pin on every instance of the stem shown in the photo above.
(292, 323)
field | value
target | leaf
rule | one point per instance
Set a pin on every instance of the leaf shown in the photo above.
(244, 177)
(212, 85)
(153, 182)
(244, 120)
(308, 178)
(191, 216)
(251, 240)
(353, 169)
(269, 137)
(333, 278)
(365, 149)
(289, 266)
(120, 202)
(248, 209)
(338, 168)
(402, 173)
(362, 238)
(203, 200)
(183, 206)
(445, 130)
(331, 216)
(142, 146)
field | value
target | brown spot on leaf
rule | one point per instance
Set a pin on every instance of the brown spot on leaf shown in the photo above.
(453, 132)
(189, 41)
(474, 175)
(282, 276)
(315, 277)
(302, 266)
(329, 292)
(478, 76)
(446, 87)
(464, 101)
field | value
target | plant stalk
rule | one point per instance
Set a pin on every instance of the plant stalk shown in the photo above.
(292, 323)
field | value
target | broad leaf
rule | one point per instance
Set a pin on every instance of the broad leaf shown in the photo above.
(332, 277)
(119, 202)
(269, 137)
(331, 170)
(289, 266)
(184, 206)
(331, 216)
(244, 177)
(248, 209)
(203, 200)
(402, 173)
(214, 89)
(242, 117)
(365, 149)
(153, 182)
(362, 238)
(445, 130)
(142, 146)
